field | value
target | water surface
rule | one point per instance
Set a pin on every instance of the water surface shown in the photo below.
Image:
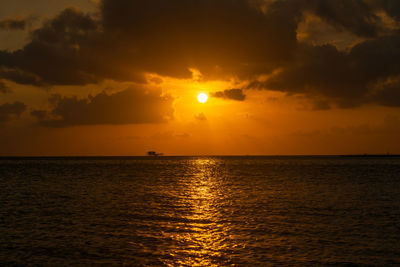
(200, 211)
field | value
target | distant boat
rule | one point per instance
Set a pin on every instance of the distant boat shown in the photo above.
(154, 154)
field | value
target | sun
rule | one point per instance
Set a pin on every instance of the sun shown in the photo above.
(202, 98)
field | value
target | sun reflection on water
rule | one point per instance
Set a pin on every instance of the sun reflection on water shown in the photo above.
(204, 241)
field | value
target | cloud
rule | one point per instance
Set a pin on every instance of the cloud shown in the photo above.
(20, 76)
(233, 94)
(345, 78)
(355, 16)
(163, 37)
(223, 39)
(388, 93)
(8, 111)
(313, 30)
(321, 71)
(131, 106)
(14, 24)
(56, 54)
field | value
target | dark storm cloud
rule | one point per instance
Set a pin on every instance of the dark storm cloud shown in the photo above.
(130, 106)
(8, 111)
(345, 78)
(355, 16)
(20, 76)
(216, 37)
(233, 94)
(13, 24)
(223, 39)
(54, 55)
(322, 71)
(392, 7)
(164, 37)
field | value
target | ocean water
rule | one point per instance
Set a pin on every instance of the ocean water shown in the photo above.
(200, 211)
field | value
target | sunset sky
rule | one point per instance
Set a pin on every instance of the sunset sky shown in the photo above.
(122, 77)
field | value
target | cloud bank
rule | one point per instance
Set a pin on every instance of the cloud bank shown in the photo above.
(255, 42)
(10, 110)
(13, 24)
(131, 106)
(233, 94)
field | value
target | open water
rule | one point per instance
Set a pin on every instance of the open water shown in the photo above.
(200, 211)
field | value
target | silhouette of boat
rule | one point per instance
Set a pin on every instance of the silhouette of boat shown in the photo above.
(154, 154)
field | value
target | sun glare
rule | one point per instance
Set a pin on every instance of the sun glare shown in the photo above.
(202, 98)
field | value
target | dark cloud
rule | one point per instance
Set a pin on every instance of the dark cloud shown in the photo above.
(389, 94)
(321, 70)
(392, 7)
(345, 78)
(351, 15)
(131, 106)
(165, 37)
(214, 36)
(8, 111)
(233, 94)
(20, 76)
(244, 39)
(13, 24)
(57, 53)
(321, 104)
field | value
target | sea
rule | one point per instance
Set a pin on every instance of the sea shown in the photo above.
(200, 211)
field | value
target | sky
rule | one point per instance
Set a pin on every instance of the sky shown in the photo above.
(121, 77)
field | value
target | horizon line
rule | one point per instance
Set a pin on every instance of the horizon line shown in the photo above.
(204, 155)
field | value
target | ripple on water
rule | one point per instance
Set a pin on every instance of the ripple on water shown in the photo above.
(200, 211)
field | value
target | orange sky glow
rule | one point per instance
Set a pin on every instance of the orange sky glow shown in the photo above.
(142, 94)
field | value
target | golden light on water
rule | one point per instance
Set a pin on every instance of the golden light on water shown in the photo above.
(205, 236)
(202, 98)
